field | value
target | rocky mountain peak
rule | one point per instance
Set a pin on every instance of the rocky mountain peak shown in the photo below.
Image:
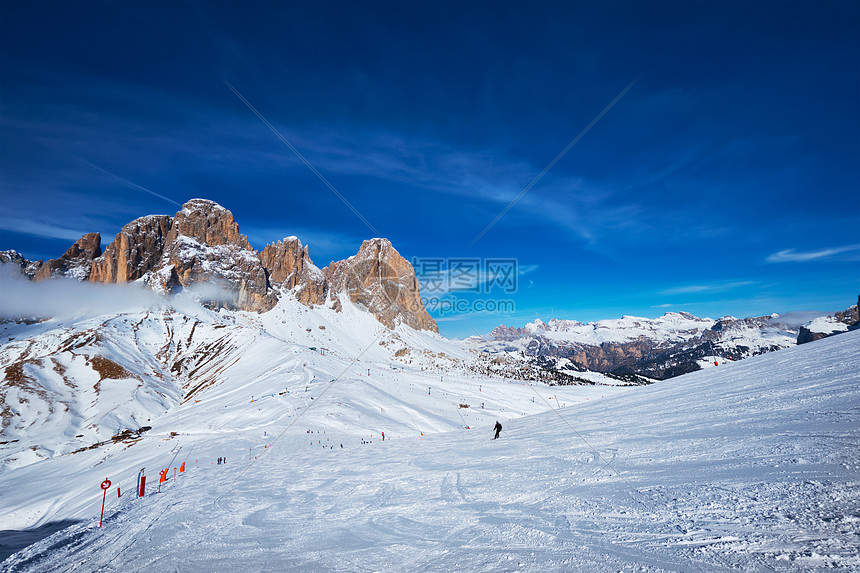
(825, 326)
(12, 257)
(76, 262)
(87, 247)
(208, 223)
(17, 261)
(204, 246)
(666, 346)
(381, 280)
(135, 251)
(503, 332)
(289, 266)
(537, 326)
(284, 260)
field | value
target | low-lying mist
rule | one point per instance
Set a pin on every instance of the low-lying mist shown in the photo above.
(21, 298)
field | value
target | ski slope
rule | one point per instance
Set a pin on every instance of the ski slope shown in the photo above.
(751, 466)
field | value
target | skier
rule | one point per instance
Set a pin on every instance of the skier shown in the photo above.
(498, 429)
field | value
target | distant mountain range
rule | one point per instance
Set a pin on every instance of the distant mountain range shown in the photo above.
(667, 346)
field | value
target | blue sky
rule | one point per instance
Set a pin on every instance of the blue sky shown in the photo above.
(724, 181)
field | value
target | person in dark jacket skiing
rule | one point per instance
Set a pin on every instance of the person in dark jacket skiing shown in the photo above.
(498, 429)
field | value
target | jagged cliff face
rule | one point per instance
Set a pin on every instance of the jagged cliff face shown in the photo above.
(378, 278)
(75, 263)
(208, 223)
(135, 251)
(290, 266)
(204, 246)
(15, 260)
(201, 245)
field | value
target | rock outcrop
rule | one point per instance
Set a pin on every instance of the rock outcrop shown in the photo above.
(204, 246)
(290, 267)
(208, 223)
(16, 260)
(75, 263)
(825, 326)
(808, 334)
(381, 280)
(135, 252)
(200, 245)
(851, 315)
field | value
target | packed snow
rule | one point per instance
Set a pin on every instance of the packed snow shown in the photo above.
(750, 466)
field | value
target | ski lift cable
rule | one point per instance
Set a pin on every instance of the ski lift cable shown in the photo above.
(174, 457)
(302, 158)
(553, 162)
(461, 417)
(713, 352)
(296, 419)
(189, 452)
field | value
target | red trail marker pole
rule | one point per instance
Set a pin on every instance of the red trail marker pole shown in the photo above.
(142, 485)
(105, 486)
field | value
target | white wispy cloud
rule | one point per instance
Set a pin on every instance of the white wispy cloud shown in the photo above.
(40, 229)
(442, 276)
(65, 297)
(706, 288)
(792, 256)
(128, 183)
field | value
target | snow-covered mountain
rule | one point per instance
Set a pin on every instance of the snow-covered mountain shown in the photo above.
(74, 384)
(669, 345)
(750, 467)
(824, 326)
